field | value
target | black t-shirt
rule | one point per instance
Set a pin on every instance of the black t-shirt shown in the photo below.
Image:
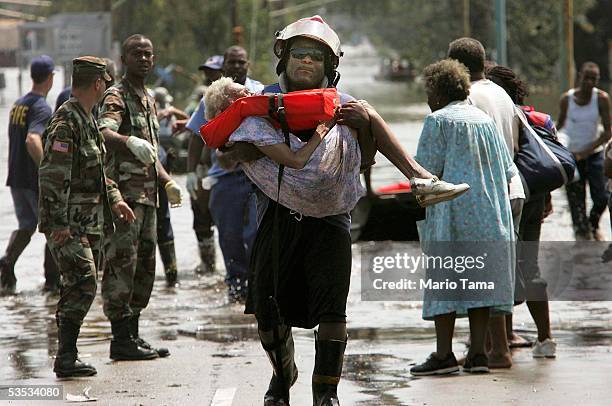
(30, 114)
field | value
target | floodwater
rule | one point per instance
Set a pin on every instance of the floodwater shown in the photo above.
(380, 332)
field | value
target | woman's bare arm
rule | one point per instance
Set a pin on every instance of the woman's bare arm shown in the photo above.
(355, 116)
(283, 155)
(388, 145)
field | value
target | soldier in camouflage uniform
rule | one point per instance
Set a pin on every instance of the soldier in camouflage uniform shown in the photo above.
(75, 206)
(129, 124)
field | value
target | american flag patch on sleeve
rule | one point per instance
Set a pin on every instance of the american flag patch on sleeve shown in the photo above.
(60, 146)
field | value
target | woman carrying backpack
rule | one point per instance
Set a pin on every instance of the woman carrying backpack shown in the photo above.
(530, 286)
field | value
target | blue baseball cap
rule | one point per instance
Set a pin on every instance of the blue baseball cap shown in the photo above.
(215, 62)
(41, 65)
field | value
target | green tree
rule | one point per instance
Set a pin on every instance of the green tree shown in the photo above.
(420, 30)
(186, 32)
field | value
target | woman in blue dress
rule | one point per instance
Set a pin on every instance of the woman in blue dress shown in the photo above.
(459, 142)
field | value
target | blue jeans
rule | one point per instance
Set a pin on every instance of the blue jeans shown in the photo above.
(591, 172)
(25, 202)
(233, 210)
(26, 208)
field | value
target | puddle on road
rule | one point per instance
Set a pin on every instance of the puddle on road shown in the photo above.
(226, 328)
(386, 337)
(378, 358)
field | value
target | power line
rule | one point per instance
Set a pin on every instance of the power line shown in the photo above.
(38, 3)
(18, 14)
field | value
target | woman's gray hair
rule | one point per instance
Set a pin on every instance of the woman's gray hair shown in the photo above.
(219, 96)
(449, 78)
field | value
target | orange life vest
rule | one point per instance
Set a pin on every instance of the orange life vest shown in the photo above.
(303, 109)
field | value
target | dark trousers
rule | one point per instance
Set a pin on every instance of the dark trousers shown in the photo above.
(25, 202)
(530, 285)
(233, 209)
(610, 208)
(164, 226)
(591, 172)
(202, 219)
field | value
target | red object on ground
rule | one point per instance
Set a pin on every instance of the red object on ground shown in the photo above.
(402, 187)
(304, 110)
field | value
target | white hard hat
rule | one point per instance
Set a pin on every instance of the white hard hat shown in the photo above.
(317, 29)
(312, 27)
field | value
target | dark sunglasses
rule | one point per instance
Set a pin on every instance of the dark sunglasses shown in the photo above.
(300, 53)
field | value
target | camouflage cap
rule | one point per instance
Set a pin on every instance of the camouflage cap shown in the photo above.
(90, 65)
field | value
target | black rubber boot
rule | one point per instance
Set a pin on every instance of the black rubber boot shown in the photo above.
(134, 320)
(277, 394)
(67, 363)
(327, 371)
(123, 347)
(207, 256)
(52, 275)
(18, 240)
(168, 256)
(8, 282)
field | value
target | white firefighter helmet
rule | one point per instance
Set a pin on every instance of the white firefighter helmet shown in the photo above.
(311, 27)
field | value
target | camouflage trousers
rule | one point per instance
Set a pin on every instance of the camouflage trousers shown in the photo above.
(129, 270)
(77, 261)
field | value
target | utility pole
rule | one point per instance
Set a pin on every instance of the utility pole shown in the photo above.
(567, 45)
(466, 18)
(253, 33)
(501, 36)
(233, 7)
(237, 30)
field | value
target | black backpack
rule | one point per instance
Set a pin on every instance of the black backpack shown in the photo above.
(545, 164)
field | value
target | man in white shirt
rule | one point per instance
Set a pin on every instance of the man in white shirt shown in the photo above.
(581, 110)
(493, 100)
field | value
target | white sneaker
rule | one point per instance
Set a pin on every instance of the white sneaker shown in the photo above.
(432, 191)
(544, 349)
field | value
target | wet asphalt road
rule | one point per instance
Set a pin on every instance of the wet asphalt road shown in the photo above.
(215, 353)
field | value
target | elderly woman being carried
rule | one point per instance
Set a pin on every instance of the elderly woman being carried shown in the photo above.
(319, 180)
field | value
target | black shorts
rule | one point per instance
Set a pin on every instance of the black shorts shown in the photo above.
(314, 272)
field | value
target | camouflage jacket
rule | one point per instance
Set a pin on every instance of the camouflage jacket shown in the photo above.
(74, 190)
(124, 112)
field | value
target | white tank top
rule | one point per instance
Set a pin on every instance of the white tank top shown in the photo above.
(581, 125)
